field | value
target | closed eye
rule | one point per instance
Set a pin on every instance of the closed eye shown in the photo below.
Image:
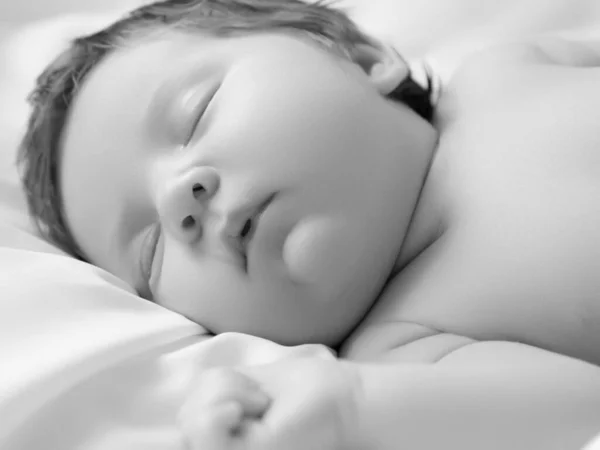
(147, 256)
(196, 103)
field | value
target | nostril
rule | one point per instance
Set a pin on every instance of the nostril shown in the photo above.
(198, 190)
(188, 222)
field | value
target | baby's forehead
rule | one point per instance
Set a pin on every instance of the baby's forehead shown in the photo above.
(127, 76)
(156, 50)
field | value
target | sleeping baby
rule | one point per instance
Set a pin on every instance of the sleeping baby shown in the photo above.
(265, 167)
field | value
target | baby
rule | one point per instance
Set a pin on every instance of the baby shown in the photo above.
(265, 167)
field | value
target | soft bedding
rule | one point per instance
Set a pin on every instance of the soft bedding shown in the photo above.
(86, 364)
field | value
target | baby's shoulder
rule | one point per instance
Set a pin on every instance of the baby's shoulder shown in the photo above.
(547, 50)
(504, 74)
(506, 61)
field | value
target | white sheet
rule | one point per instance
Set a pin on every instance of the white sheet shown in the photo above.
(84, 363)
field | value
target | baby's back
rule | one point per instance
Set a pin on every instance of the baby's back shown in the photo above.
(518, 168)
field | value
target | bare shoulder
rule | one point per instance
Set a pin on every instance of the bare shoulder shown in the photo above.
(487, 76)
(541, 51)
(501, 73)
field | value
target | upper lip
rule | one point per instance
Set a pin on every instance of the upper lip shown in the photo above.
(241, 225)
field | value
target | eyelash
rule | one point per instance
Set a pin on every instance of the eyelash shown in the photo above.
(193, 128)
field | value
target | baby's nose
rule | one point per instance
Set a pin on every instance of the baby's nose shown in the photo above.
(185, 201)
(203, 183)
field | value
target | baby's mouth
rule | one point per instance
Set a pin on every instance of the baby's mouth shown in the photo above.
(249, 227)
(247, 230)
(243, 239)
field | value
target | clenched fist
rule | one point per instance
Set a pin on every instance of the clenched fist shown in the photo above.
(296, 404)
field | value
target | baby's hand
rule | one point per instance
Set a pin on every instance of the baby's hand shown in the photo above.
(220, 411)
(302, 403)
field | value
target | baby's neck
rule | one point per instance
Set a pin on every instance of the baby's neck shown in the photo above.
(428, 223)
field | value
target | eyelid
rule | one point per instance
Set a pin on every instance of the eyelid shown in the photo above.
(196, 101)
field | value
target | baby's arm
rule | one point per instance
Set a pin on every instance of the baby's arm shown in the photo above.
(492, 395)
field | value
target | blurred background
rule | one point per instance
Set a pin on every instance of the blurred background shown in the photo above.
(15, 12)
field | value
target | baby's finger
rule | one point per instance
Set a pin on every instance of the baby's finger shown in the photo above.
(253, 400)
(255, 403)
(227, 416)
(214, 428)
(217, 385)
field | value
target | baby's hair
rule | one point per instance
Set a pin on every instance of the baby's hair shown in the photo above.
(58, 85)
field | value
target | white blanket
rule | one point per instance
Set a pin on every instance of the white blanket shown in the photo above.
(87, 365)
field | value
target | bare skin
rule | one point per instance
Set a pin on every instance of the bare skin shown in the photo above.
(503, 246)
(516, 261)
(518, 168)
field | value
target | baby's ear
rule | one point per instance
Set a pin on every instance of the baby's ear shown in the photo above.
(382, 63)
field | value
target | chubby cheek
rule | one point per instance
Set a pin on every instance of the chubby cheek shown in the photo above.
(206, 292)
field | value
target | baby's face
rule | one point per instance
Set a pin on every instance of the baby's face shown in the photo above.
(256, 184)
